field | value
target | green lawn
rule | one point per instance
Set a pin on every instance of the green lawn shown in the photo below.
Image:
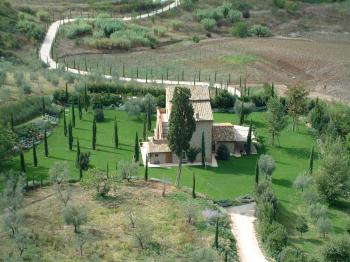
(232, 179)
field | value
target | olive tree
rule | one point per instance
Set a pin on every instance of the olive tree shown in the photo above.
(59, 176)
(76, 216)
(266, 165)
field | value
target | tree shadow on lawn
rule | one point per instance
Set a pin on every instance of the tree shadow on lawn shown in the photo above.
(342, 205)
(60, 158)
(80, 128)
(282, 182)
(301, 240)
(286, 217)
(300, 152)
(258, 124)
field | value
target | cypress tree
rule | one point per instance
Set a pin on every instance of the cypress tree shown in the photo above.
(22, 162)
(94, 130)
(73, 115)
(85, 99)
(203, 149)
(35, 158)
(193, 185)
(257, 173)
(116, 138)
(272, 90)
(216, 241)
(311, 162)
(43, 105)
(249, 139)
(241, 116)
(107, 171)
(67, 94)
(80, 109)
(77, 159)
(70, 136)
(64, 122)
(46, 147)
(146, 169)
(136, 148)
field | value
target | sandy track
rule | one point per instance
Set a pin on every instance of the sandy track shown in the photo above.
(243, 228)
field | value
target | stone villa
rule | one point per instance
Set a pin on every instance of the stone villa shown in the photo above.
(234, 137)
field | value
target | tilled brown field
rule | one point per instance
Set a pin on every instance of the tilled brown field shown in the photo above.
(323, 66)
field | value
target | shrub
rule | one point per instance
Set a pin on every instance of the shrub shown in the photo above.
(26, 87)
(192, 153)
(240, 30)
(195, 39)
(279, 3)
(337, 250)
(224, 100)
(99, 115)
(159, 31)
(177, 25)
(290, 254)
(43, 16)
(208, 23)
(260, 31)
(267, 165)
(31, 29)
(234, 16)
(277, 239)
(223, 153)
(76, 216)
(78, 29)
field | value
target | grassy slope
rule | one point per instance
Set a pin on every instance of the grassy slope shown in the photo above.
(233, 178)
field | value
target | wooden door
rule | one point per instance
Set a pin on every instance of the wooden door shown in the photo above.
(168, 157)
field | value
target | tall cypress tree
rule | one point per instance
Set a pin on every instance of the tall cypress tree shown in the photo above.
(311, 161)
(241, 116)
(203, 149)
(116, 138)
(107, 171)
(86, 105)
(193, 185)
(22, 162)
(272, 90)
(64, 122)
(77, 158)
(136, 148)
(257, 173)
(43, 105)
(80, 109)
(70, 136)
(73, 115)
(249, 140)
(46, 146)
(94, 130)
(35, 158)
(216, 240)
(66, 93)
(146, 169)
(149, 119)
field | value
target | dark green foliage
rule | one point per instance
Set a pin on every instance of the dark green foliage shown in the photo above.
(301, 225)
(193, 185)
(7, 143)
(73, 116)
(70, 136)
(223, 153)
(64, 122)
(337, 250)
(275, 117)
(203, 149)
(99, 115)
(291, 254)
(30, 29)
(35, 158)
(319, 117)
(80, 109)
(181, 126)
(77, 158)
(240, 29)
(146, 169)
(46, 146)
(248, 145)
(192, 153)
(86, 99)
(224, 100)
(145, 128)
(94, 131)
(22, 162)
(136, 149)
(311, 161)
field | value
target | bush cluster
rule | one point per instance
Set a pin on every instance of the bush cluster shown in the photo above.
(77, 29)
(242, 30)
(30, 29)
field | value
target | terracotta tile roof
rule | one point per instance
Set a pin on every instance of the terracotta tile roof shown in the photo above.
(223, 132)
(202, 111)
(198, 93)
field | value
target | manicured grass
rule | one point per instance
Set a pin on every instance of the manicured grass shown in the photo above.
(233, 178)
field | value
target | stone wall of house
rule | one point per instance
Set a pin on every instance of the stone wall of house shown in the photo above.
(157, 159)
(196, 141)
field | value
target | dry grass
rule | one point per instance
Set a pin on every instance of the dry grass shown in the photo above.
(108, 228)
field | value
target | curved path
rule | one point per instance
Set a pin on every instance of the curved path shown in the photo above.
(45, 53)
(243, 229)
